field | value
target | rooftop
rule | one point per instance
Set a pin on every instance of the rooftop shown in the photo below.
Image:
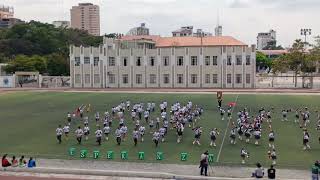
(188, 41)
(85, 4)
(274, 52)
(154, 38)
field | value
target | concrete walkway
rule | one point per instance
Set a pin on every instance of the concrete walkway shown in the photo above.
(149, 170)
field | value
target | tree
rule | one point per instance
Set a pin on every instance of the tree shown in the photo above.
(315, 51)
(42, 39)
(262, 60)
(25, 63)
(272, 45)
(280, 65)
(297, 60)
(57, 65)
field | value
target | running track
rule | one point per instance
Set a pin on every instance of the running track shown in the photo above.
(30, 178)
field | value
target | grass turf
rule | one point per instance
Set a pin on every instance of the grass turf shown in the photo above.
(29, 119)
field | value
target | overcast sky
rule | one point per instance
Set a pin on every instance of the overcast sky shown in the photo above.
(242, 19)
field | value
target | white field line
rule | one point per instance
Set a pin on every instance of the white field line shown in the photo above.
(226, 130)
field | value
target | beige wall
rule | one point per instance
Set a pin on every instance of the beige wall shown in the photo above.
(204, 73)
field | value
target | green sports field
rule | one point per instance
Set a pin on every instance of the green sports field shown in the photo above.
(29, 119)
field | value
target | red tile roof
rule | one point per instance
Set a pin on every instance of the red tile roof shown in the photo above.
(196, 41)
(188, 41)
(274, 52)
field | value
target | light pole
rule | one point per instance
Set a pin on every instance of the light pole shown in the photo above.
(305, 33)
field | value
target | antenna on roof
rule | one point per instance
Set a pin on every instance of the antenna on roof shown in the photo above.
(218, 28)
(218, 18)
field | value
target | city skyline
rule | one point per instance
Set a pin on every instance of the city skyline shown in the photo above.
(243, 19)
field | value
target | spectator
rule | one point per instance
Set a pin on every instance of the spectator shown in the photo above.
(204, 163)
(31, 163)
(271, 172)
(14, 162)
(315, 171)
(5, 162)
(318, 164)
(22, 162)
(258, 173)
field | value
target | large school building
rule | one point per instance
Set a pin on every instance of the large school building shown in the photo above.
(164, 62)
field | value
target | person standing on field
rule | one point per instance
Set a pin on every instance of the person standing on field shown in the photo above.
(106, 131)
(180, 129)
(306, 138)
(79, 134)
(66, 130)
(69, 118)
(244, 154)
(204, 162)
(142, 130)
(59, 132)
(135, 135)
(86, 131)
(98, 135)
(118, 135)
(197, 132)
(222, 111)
(213, 136)
(156, 137)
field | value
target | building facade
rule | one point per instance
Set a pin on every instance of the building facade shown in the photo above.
(6, 12)
(263, 39)
(164, 62)
(10, 22)
(142, 30)
(187, 31)
(218, 31)
(86, 16)
(61, 24)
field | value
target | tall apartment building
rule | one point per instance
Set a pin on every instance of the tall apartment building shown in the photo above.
(86, 16)
(164, 62)
(187, 31)
(142, 30)
(266, 37)
(6, 12)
